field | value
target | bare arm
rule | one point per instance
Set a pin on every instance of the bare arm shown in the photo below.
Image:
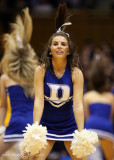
(39, 94)
(86, 104)
(3, 105)
(77, 78)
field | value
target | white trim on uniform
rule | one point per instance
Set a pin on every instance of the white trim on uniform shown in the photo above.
(104, 134)
(58, 139)
(12, 140)
(13, 135)
(59, 135)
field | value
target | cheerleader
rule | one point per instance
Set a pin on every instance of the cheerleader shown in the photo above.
(58, 84)
(18, 65)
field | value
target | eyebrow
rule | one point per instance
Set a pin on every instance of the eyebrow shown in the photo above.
(57, 42)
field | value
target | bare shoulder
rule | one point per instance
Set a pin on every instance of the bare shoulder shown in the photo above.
(89, 95)
(76, 70)
(40, 70)
(77, 74)
(4, 77)
(109, 96)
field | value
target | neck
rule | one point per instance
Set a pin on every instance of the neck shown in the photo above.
(59, 65)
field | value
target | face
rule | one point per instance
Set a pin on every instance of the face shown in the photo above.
(59, 47)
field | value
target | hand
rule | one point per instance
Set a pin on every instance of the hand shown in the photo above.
(2, 129)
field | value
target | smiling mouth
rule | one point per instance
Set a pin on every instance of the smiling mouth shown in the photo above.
(59, 52)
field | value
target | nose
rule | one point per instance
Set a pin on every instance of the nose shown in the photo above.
(59, 45)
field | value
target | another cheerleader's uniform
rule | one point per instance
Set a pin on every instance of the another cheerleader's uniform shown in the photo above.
(99, 120)
(58, 114)
(21, 113)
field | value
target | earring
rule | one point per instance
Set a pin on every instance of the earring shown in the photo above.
(68, 53)
(50, 53)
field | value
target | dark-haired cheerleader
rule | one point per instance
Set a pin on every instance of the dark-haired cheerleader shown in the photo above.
(59, 88)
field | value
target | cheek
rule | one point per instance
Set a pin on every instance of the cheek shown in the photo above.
(67, 50)
(52, 49)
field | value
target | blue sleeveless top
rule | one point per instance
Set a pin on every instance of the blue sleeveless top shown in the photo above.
(99, 120)
(21, 113)
(58, 114)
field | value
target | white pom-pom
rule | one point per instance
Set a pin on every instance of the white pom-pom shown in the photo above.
(34, 138)
(83, 143)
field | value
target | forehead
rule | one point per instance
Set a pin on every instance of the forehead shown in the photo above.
(59, 39)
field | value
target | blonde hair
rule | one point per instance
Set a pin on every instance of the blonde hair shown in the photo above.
(20, 61)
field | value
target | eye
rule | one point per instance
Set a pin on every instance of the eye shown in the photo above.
(63, 44)
(55, 44)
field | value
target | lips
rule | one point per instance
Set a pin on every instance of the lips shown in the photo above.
(59, 52)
